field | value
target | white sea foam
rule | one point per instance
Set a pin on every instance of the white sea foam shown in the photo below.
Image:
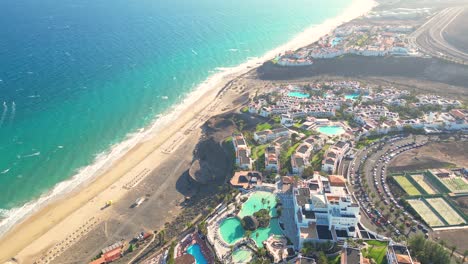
(13, 111)
(30, 155)
(104, 160)
(4, 113)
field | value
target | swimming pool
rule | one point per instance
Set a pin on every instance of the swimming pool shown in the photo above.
(196, 252)
(298, 95)
(231, 230)
(352, 96)
(254, 203)
(336, 41)
(331, 130)
(264, 233)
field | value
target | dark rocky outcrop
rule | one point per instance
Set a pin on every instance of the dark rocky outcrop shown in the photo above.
(249, 223)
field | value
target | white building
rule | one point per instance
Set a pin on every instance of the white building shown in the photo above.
(333, 156)
(265, 136)
(242, 151)
(324, 210)
(272, 158)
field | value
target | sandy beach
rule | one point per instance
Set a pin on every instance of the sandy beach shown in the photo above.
(61, 223)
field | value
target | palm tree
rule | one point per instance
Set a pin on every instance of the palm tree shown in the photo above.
(162, 235)
(452, 248)
(442, 243)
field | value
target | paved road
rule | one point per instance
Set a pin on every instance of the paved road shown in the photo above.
(430, 36)
(370, 163)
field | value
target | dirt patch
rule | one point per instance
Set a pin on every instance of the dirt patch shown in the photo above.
(456, 237)
(433, 155)
(462, 203)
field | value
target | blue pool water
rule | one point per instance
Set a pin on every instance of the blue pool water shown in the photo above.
(336, 41)
(298, 95)
(331, 130)
(352, 96)
(195, 251)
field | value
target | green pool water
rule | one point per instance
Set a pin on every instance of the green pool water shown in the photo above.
(241, 256)
(254, 204)
(264, 233)
(231, 230)
(298, 95)
(331, 130)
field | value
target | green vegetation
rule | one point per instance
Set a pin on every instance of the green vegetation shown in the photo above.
(456, 184)
(262, 126)
(316, 161)
(285, 159)
(430, 216)
(244, 109)
(406, 185)
(258, 151)
(312, 247)
(334, 260)
(427, 251)
(292, 149)
(170, 257)
(202, 226)
(276, 119)
(263, 217)
(364, 142)
(362, 40)
(406, 111)
(258, 154)
(376, 250)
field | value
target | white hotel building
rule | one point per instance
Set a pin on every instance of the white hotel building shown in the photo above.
(324, 210)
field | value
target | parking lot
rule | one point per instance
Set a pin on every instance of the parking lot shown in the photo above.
(367, 176)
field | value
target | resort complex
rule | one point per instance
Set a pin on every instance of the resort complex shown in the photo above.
(298, 188)
(355, 39)
(350, 150)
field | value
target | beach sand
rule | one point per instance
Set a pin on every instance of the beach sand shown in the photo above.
(78, 212)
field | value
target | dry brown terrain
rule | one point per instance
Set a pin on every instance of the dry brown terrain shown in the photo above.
(455, 33)
(456, 237)
(433, 155)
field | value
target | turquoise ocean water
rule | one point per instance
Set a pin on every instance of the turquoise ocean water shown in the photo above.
(78, 77)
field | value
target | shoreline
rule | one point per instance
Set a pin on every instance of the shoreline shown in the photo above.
(76, 206)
